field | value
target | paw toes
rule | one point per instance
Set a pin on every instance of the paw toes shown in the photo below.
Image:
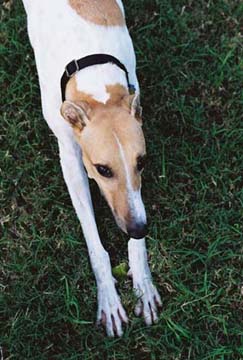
(122, 315)
(109, 327)
(103, 318)
(117, 324)
(157, 299)
(138, 308)
(149, 303)
(112, 320)
(153, 311)
(147, 314)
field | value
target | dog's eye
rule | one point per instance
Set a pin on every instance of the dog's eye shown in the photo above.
(104, 171)
(141, 163)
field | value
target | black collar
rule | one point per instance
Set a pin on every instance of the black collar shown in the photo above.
(97, 59)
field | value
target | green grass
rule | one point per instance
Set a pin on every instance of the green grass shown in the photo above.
(191, 73)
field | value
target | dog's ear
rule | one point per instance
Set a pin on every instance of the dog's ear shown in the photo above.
(133, 103)
(76, 114)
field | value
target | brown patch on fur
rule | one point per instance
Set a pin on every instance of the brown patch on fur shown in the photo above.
(100, 12)
(117, 94)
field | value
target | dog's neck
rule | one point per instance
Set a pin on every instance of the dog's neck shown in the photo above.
(99, 84)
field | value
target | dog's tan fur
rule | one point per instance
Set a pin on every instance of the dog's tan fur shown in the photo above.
(117, 94)
(96, 127)
(100, 12)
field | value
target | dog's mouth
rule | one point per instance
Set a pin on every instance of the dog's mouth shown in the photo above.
(135, 227)
(121, 224)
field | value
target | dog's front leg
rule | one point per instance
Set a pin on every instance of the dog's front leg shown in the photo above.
(148, 297)
(110, 311)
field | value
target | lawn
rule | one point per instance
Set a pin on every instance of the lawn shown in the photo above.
(189, 60)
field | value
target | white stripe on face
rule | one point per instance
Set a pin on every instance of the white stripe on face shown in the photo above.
(135, 202)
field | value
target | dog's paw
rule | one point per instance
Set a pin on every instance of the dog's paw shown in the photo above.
(111, 313)
(149, 300)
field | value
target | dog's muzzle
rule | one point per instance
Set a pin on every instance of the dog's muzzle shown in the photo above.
(137, 230)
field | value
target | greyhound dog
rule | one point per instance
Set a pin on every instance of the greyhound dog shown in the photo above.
(90, 100)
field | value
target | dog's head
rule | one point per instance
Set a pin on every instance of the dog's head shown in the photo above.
(113, 150)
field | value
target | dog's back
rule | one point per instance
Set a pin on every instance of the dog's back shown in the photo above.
(63, 30)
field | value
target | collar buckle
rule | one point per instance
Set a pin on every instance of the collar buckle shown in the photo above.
(72, 68)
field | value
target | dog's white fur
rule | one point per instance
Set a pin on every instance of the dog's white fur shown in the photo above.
(58, 35)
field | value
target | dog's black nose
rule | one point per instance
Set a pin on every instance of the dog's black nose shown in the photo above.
(137, 230)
